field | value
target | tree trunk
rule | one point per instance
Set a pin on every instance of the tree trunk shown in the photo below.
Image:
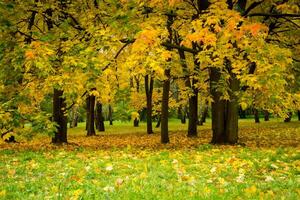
(193, 100)
(149, 92)
(59, 117)
(158, 122)
(232, 109)
(224, 113)
(266, 115)
(182, 114)
(242, 113)
(289, 118)
(165, 108)
(298, 115)
(203, 115)
(193, 114)
(217, 109)
(100, 118)
(136, 122)
(87, 100)
(256, 116)
(74, 117)
(91, 115)
(110, 118)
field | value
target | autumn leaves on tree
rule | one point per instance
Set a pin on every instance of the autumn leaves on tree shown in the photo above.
(229, 54)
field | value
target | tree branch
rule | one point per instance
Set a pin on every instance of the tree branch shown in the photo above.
(272, 15)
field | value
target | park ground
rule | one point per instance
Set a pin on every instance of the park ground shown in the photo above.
(126, 163)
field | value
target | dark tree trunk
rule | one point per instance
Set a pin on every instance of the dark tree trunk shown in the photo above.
(136, 122)
(231, 131)
(166, 87)
(256, 115)
(266, 115)
(183, 118)
(165, 108)
(179, 112)
(217, 109)
(100, 118)
(158, 122)
(110, 118)
(224, 113)
(91, 115)
(289, 118)
(74, 117)
(242, 113)
(298, 115)
(203, 115)
(193, 114)
(193, 100)
(149, 92)
(59, 117)
(87, 113)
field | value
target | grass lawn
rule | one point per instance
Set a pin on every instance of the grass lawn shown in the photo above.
(125, 163)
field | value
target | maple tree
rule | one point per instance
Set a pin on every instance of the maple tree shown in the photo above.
(229, 54)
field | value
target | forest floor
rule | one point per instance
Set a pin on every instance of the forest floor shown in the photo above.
(126, 163)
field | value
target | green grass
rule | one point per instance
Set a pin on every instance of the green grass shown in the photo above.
(201, 172)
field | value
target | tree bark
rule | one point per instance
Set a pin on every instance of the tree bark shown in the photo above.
(217, 109)
(136, 122)
(149, 92)
(289, 118)
(165, 108)
(203, 115)
(166, 86)
(59, 117)
(231, 123)
(158, 122)
(266, 115)
(193, 115)
(87, 113)
(193, 100)
(242, 113)
(110, 118)
(256, 116)
(100, 118)
(91, 115)
(74, 117)
(224, 113)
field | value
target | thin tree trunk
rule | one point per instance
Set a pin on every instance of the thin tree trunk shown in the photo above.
(289, 118)
(242, 113)
(256, 116)
(74, 117)
(149, 92)
(87, 113)
(179, 112)
(204, 115)
(183, 117)
(165, 108)
(91, 116)
(100, 118)
(266, 115)
(158, 122)
(110, 118)
(59, 117)
(193, 100)
(166, 87)
(136, 122)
